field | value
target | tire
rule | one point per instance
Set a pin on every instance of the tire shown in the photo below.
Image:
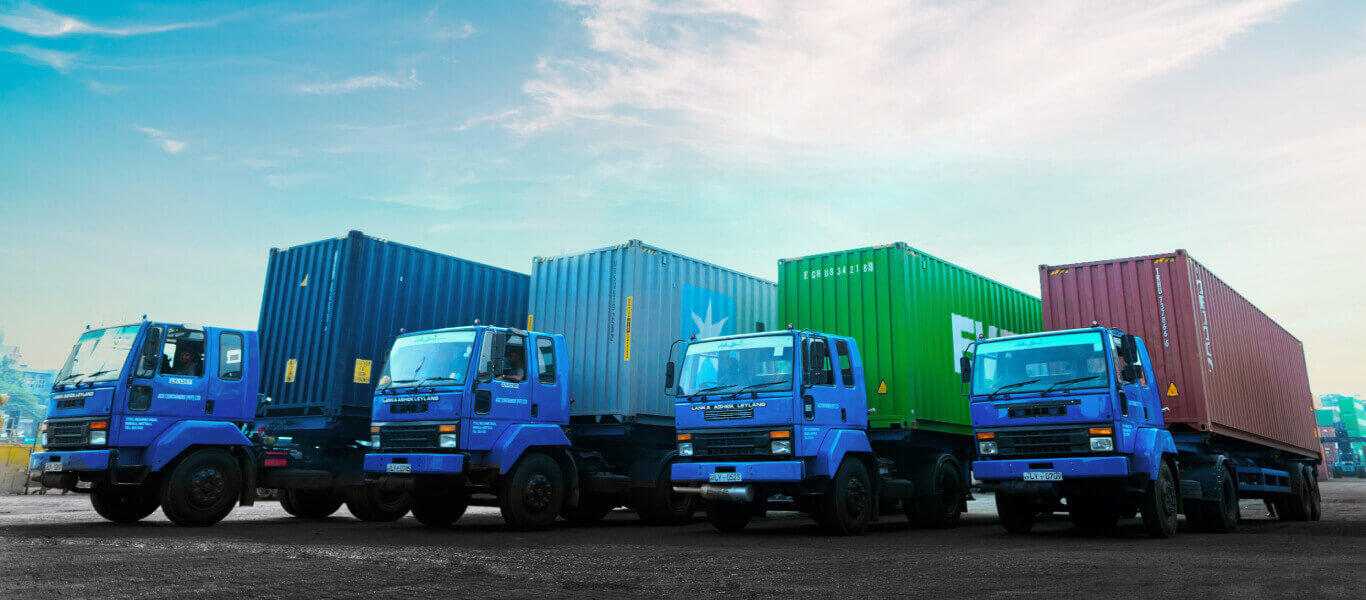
(728, 516)
(369, 503)
(1315, 500)
(1161, 503)
(1222, 516)
(124, 504)
(532, 493)
(589, 511)
(1297, 505)
(201, 488)
(439, 510)
(309, 504)
(941, 509)
(1017, 512)
(663, 506)
(847, 504)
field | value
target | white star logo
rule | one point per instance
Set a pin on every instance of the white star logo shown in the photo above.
(705, 327)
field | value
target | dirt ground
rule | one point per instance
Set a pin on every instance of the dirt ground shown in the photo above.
(56, 547)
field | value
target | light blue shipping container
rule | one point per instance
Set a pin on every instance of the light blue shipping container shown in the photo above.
(620, 310)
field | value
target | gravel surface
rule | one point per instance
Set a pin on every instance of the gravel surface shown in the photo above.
(55, 546)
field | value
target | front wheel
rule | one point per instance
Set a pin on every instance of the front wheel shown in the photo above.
(728, 516)
(201, 488)
(440, 510)
(1016, 511)
(847, 505)
(532, 493)
(1160, 504)
(124, 504)
(369, 503)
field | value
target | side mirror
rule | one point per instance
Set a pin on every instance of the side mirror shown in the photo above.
(1131, 373)
(669, 376)
(965, 367)
(1128, 348)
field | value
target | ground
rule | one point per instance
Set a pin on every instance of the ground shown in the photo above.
(56, 547)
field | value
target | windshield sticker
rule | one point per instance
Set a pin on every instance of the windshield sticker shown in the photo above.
(234, 356)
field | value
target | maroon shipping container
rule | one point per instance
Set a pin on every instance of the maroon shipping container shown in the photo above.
(1223, 365)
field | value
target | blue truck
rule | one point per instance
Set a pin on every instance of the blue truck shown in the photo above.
(779, 421)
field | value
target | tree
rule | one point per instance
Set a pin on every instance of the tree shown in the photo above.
(21, 401)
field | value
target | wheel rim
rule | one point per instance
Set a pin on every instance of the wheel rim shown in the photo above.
(855, 497)
(206, 487)
(537, 492)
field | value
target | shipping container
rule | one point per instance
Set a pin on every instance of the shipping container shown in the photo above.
(913, 315)
(621, 309)
(1224, 366)
(331, 308)
(1352, 413)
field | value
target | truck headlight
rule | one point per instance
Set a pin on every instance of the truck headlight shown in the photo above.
(685, 449)
(42, 439)
(99, 438)
(374, 441)
(1102, 444)
(985, 448)
(782, 446)
(449, 440)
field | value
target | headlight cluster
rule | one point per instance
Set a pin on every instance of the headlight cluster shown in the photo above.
(448, 437)
(986, 443)
(782, 447)
(99, 433)
(42, 434)
(374, 441)
(1102, 439)
(685, 444)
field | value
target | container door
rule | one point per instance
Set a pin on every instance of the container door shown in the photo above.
(168, 383)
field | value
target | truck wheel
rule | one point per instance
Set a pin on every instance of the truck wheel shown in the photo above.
(1222, 516)
(369, 503)
(589, 510)
(1315, 501)
(306, 504)
(942, 509)
(727, 516)
(1161, 504)
(1296, 505)
(201, 488)
(439, 510)
(661, 505)
(531, 494)
(847, 505)
(1017, 512)
(124, 503)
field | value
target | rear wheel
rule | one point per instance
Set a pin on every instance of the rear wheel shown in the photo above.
(306, 504)
(440, 510)
(124, 504)
(728, 516)
(1296, 506)
(661, 505)
(847, 505)
(531, 494)
(369, 503)
(1016, 511)
(1315, 501)
(944, 506)
(201, 488)
(1161, 504)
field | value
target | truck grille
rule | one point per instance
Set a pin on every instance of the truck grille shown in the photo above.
(1037, 411)
(68, 435)
(408, 408)
(71, 403)
(408, 437)
(748, 444)
(1042, 442)
(728, 414)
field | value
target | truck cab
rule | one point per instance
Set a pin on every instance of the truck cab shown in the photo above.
(1072, 416)
(475, 410)
(154, 414)
(775, 419)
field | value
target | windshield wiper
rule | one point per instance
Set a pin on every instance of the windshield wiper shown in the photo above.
(757, 385)
(89, 375)
(715, 388)
(1069, 381)
(1010, 386)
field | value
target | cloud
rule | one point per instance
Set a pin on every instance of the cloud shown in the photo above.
(426, 198)
(259, 163)
(871, 73)
(164, 140)
(459, 31)
(61, 61)
(353, 84)
(33, 20)
(103, 89)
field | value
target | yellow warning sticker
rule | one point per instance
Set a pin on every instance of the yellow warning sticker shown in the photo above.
(627, 355)
(291, 368)
(362, 374)
(304, 283)
(1171, 391)
(882, 387)
(529, 319)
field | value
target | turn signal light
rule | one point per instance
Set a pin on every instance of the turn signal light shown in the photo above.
(986, 435)
(780, 434)
(683, 437)
(99, 424)
(1102, 430)
(446, 428)
(374, 429)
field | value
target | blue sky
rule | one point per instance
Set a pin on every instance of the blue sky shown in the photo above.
(151, 154)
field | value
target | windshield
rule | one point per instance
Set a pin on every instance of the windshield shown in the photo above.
(1035, 364)
(98, 355)
(760, 363)
(428, 359)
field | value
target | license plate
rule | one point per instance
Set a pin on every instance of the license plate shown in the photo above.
(723, 477)
(52, 466)
(1042, 476)
(399, 468)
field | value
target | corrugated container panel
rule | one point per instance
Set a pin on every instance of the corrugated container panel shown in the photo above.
(1224, 366)
(1353, 415)
(620, 310)
(913, 316)
(329, 306)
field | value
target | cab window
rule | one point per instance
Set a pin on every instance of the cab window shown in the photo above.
(846, 363)
(514, 356)
(230, 356)
(545, 360)
(182, 353)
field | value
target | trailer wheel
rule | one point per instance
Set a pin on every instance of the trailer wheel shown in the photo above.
(1295, 506)
(728, 516)
(589, 510)
(309, 504)
(369, 503)
(124, 503)
(1017, 512)
(1161, 504)
(440, 510)
(532, 493)
(201, 488)
(944, 506)
(1315, 500)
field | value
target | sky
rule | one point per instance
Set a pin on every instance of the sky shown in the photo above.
(152, 153)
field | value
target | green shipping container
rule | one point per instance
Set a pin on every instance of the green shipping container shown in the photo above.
(1353, 414)
(1324, 417)
(913, 315)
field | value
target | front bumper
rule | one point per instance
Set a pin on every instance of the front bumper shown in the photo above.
(775, 471)
(74, 460)
(427, 464)
(1079, 467)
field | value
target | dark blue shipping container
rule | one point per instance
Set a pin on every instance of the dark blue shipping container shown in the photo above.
(331, 308)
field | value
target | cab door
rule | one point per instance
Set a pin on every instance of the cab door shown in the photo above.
(819, 404)
(502, 391)
(167, 383)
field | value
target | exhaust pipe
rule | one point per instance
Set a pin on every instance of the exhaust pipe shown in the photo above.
(728, 493)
